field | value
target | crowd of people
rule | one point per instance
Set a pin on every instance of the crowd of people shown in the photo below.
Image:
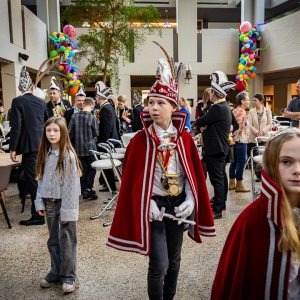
(169, 193)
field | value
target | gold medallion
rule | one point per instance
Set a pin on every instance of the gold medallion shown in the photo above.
(173, 189)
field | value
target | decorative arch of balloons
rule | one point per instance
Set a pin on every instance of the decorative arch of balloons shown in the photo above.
(249, 36)
(62, 46)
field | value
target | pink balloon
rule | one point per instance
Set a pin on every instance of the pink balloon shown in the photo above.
(245, 27)
(69, 30)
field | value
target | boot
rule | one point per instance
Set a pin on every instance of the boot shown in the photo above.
(240, 188)
(231, 184)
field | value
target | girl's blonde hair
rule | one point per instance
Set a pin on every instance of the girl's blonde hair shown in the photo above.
(65, 146)
(289, 239)
(186, 103)
(206, 95)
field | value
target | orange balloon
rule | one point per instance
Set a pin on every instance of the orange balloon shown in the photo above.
(252, 75)
(73, 90)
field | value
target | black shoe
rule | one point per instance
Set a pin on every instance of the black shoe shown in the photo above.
(217, 215)
(33, 221)
(89, 195)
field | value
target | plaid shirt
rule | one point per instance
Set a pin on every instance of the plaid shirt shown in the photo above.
(83, 130)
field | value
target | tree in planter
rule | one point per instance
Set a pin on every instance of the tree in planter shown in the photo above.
(112, 35)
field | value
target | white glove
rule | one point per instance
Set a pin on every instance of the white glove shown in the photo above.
(185, 209)
(154, 212)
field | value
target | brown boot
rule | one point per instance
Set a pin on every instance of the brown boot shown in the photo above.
(240, 188)
(231, 184)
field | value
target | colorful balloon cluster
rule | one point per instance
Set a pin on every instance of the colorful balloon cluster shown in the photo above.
(249, 53)
(61, 45)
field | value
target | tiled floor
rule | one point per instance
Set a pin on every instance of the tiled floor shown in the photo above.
(103, 273)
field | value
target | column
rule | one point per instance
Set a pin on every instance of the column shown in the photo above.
(43, 12)
(54, 15)
(186, 12)
(17, 29)
(124, 88)
(10, 74)
(280, 98)
(254, 12)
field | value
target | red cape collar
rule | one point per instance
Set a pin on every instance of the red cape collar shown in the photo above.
(178, 119)
(272, 192)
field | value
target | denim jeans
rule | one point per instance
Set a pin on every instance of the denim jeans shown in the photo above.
(165, 252)
(62, 244)
(236, 169)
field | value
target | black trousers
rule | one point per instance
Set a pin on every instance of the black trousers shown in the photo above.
(218, 178)
(88, 173)
(165, 252)
(28, 167)
(110, 176)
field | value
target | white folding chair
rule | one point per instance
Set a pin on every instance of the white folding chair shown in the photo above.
(105, 161)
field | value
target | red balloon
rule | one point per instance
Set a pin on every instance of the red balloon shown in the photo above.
(240, 85)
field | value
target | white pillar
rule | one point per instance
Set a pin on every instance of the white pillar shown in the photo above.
(16, 16)
(125, 87)
(54, 15)
(43, 12)
(186, 12)
(10, 74)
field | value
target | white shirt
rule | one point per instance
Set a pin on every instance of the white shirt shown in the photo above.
(294, 285)
(173, 167)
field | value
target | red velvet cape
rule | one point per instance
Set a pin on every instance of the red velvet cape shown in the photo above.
(130, 230)
(251, 266)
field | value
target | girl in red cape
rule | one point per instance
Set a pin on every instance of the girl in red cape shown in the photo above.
(161, 170)
(261, 256)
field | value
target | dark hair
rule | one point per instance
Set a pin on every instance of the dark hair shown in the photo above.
(260, 97)
(241, 97)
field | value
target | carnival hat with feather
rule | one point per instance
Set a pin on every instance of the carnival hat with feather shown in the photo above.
(220, 83)
(167, 78)
(102, 90)
(54, 84)
(25, 81)
(80, 91)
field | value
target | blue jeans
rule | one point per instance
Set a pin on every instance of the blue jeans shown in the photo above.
(236, 169)
(62, 244)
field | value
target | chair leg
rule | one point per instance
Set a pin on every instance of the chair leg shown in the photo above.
(5, 212)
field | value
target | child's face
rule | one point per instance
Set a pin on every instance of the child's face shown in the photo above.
(53, 134)
(160, 110)
(289, 167)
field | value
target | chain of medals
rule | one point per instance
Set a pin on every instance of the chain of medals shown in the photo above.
(170, 182)
(219, 101)
(58, 112)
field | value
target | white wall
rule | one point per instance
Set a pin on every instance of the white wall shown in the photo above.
(36, 39)
(221, 25)
(283, 37)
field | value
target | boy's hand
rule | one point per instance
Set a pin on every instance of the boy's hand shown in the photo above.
(42, 213)
(64, 222)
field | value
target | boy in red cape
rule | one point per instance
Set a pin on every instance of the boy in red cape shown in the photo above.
(161, 169)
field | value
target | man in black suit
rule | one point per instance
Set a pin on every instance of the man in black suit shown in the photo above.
(28, 115)
(56, 106)
(137, 109)
(79, 101)
(215, 126)
(107, 125)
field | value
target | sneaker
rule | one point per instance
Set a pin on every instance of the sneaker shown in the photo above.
(45, 284)
(68, 288)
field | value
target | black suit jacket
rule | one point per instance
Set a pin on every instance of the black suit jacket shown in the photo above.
(137, 121)
(50, 107)
(68, 115)
(28, 115)
(108, 123)
(218, 120)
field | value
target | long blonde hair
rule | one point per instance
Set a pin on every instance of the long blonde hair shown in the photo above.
(65, 146)
(186, 103)
(289, 239)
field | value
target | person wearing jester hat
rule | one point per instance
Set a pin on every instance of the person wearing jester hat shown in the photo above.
(215, 126)
(79, 101)
(108, 127)
(56, 106)
(26, 132)
(168, 193)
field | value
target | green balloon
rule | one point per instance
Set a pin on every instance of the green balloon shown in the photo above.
(242, 36)
(53, 53)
